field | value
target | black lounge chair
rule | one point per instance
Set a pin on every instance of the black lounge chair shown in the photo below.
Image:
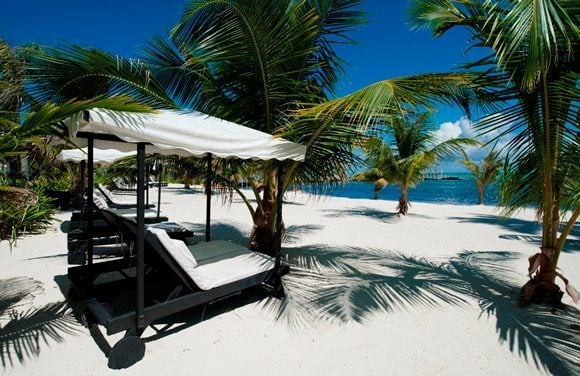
(178, 277)
(111, 203)
(127, 227)
(151, 216)
(104, 234)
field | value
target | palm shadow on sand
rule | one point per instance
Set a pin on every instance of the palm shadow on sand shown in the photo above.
(341, 285)
(523, 230)
(520, 226)
(362, 211)
(24, 330)
(351, 284)
(572, 245)
(296, 232)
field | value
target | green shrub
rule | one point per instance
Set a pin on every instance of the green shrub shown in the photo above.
(23, 211)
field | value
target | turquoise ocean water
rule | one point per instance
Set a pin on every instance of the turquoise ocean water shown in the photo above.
(463, 191)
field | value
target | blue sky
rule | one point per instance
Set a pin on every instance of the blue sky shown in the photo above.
(387, 49)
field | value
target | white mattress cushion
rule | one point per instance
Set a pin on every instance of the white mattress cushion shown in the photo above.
(221, 262)
(216, 263)
(132, 213)
(176, 248)
(99, 201)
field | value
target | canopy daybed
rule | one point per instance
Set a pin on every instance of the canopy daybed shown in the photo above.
(170, 133)
(105, 240)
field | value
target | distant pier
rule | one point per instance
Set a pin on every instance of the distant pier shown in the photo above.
(440, 176)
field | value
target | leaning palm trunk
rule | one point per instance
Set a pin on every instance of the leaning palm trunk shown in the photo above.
(481, 193)
(542, 287)
(404, 203)
(264, 232)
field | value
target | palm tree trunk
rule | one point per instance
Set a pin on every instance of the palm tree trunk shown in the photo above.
(542, 287)
(550, 216)
(481, 189)
(264, 234)
(403, 206)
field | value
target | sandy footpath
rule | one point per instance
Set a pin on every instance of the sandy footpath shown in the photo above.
(433, 293)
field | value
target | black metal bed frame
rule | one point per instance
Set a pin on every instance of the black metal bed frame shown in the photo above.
(83, 277)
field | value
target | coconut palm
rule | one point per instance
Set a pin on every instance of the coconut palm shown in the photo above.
(532, 68)
(255, 63)
(484, 172)
(263, 60)
(410, 150)
(375, 176)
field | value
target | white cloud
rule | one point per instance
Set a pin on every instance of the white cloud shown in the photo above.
(461, 128)
(464, 128)
(447, 131)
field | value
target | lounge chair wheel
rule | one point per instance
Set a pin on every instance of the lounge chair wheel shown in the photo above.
(126, 352)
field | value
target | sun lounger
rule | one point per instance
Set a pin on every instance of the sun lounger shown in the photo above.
(127, 226)
(212, 264)
(154, 183)
(179, 277)
(150, 214)
(104, 232)
(108, 196)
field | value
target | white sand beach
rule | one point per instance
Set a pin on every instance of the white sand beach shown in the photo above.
(433, 293)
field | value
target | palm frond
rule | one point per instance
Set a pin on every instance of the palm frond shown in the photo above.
(61, 74)
(352, 285)
(24, 334)
(370, 106)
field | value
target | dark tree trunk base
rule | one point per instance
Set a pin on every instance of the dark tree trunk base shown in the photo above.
(541, 292)
(263, 241)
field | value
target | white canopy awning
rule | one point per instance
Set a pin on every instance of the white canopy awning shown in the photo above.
(182, 133)
(99, 155)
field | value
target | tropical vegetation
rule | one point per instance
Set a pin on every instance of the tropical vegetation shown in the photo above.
(410, 150)
(25, 150)
(273, 66)
(531, 68)
(485, 171)
(268, 66)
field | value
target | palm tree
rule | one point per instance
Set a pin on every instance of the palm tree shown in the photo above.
(375, 176)
(484, 172)
(265, 60)
(411, 149)
(266, 64)
(532, 69)
(11, 98)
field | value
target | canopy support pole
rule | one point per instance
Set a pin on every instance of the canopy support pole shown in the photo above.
(90, 203)
(159, 177)
(83, 167)
(146, 182)
(279, 199)
(208, 184)
(140, 236)
(278, 271)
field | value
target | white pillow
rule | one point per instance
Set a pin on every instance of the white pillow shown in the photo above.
(176, 248)
(99, 201)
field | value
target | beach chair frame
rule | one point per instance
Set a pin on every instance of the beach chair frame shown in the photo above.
(134, 323)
